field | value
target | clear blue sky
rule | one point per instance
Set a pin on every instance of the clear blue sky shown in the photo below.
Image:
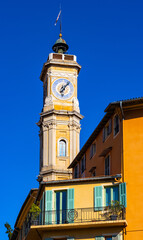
(106, 36)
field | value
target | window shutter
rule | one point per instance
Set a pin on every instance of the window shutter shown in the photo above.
(48, 238)
(122, 191)
(70, 198)
(70, 238)
(48, 207)
(70, 203)
(116, 237)
(110, 126)
(103, 134)
(98, 198)
(99, 238)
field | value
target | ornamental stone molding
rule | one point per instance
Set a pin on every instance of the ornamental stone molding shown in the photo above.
(74, 124)
(48, 100)
(49, 124)
(75, 103)
(61, 74)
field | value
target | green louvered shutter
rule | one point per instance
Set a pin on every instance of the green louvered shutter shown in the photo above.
(99, 238)
(116, 237)
(48, 238)
(48, 207)
(70, 204)
(122, 191)
(98, 198)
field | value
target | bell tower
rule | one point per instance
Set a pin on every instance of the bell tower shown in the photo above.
(60, 117)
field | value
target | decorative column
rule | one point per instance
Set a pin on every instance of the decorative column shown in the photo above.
(52, 144)
(45, 145)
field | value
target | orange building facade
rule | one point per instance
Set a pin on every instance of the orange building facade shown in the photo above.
(118, 151)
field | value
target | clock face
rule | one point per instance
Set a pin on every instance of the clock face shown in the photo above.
(62, 89)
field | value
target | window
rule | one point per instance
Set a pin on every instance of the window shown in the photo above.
(107, 165)
(112, 237)
(111, 194)
(92, 150)
(83, 163)
(62, 148)
(114, 193)
(62, 200)
(76, 171)
(61, 206)
(107, 130)
(94, 173)
(116, 124)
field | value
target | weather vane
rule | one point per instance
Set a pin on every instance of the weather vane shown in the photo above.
(59, 16)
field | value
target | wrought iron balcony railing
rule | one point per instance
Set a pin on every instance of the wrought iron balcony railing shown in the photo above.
(78, 215)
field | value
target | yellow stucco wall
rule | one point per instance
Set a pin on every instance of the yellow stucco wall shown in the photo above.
(133, 173)
(83, 192)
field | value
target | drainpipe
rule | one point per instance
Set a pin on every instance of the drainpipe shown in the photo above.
(122, 147)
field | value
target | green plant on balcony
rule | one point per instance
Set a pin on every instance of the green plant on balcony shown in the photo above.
(115, 209)
(35, 210)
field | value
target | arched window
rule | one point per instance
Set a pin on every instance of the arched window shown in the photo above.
(62, 148)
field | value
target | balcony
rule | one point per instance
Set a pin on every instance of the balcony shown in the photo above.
(79, 216)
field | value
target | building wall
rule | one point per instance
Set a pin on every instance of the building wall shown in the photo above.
(97, 161)
(83, 192)
(133, 172)
(83, 234)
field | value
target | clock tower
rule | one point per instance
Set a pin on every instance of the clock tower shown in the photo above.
(60, 117)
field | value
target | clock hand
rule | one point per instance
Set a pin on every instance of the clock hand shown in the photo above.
(64, 86)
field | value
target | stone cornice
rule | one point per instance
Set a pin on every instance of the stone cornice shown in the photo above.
(61, 112)
(56, 62)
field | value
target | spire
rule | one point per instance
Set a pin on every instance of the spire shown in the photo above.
(60, 45)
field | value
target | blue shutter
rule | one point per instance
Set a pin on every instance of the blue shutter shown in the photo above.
(48, 207)
(99, 238)
(98, 198)
(122, 191)
(70, 204)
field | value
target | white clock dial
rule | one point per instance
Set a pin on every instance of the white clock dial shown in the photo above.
(62, 88)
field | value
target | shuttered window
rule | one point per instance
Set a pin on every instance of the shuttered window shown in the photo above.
(92, 150)
(116, 124)
(83, 164)
(70, 203)
(98, 203)
(112, 237)
(122, 192)
(107, 129)
(107, 165)
(48, 207)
